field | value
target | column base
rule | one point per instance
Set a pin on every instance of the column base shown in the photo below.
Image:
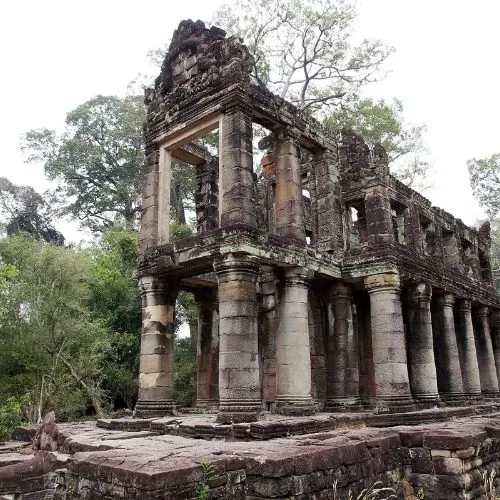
(453, 398)
(154, 409)
(345, 404)
(427, 401)
(296, 407)
(239, 411)
(392, 404)
(207, 405)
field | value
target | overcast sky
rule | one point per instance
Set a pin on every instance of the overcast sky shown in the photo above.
(56, 54)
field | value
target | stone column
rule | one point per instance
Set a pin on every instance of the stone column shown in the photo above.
(207, 352)
(236, 178)
(157, 348)
(288, 192)
(495, 338)
(239, 388)
(267, 342)
(378, 215)
(449, 376)
(293, 358)
(484, 350)
(392, 387)
(421, 363)
(467, 349)
(329, 206)
(342, 379)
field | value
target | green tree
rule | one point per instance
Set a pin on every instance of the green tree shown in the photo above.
(304, 50)
(379, 122)
(484, 174)
(50, 345)
(24, 210)
(96, 162)
(114, 299)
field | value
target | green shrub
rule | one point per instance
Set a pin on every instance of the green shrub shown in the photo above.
(11, 412)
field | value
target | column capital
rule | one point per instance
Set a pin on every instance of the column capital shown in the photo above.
(420, 292)
(288, 134)
(228, 265)
(464, 305)
(151, 284)
(382, 281)
(483, 311)
(445, 299)
(298, 276)
(340, 291)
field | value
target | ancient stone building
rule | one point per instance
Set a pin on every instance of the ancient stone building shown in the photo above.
(322, 282)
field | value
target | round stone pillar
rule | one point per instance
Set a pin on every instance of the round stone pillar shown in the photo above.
(467, 349)
(392, 387)
(421, 363)
(484, 349)
(342, 379)
(293, 356)
(495, 338)
(449, 376)
(239, 388)
(207, 352)
(157, 349)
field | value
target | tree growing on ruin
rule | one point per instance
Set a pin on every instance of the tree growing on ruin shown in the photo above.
(96, 161)
(380, 122)
(305, 51)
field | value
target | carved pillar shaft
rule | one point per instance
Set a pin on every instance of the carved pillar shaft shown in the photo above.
(421, 363)
(467, 349)
(239, 388)
(157, 349)
(207, 353)
(327, 179)
(288, 193)
(293, 359)
(342, 381)
(495, 337)
(378, 215)
(268, 344)
(236, 189)
(388, 341)
(484, 350)
(449, 376)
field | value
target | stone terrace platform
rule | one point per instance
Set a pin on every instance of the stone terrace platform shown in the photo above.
(448, 457)
(270, 426)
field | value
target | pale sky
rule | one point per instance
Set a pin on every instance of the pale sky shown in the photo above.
(57, 54)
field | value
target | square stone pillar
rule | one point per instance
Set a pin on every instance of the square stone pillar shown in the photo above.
(495, 338)
(467, 349)
(392, 387)
(288, 191)
(207, 351)
(236, 177)
(449, 376)
(421, 363)
(157, 348)
(484, 350)
(378, 215)
(328, 197)
(293, 354)
(342, 379)
(239, 383)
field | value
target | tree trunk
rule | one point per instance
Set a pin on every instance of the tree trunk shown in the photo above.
(179, 205)
(90, 393)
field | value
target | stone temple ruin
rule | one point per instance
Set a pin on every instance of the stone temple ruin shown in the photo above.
(323, 285)
(322, 282)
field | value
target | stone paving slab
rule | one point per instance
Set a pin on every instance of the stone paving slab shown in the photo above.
(148, 466)
(204, 426)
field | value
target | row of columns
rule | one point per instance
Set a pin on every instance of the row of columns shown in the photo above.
(444, 354)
